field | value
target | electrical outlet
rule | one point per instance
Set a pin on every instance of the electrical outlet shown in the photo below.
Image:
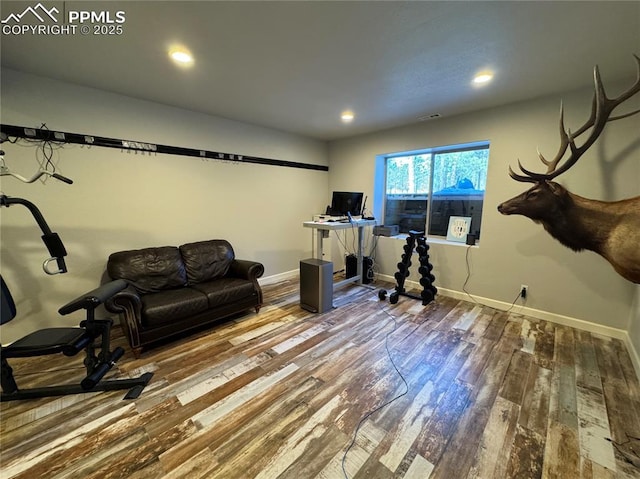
(524, 291)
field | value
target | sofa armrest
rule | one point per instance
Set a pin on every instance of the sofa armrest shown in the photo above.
(251, 270)
(128, 306)
(242, 268)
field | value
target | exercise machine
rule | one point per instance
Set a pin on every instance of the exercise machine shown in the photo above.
(92, 334)
(417, 240)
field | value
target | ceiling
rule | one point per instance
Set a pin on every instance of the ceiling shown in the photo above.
(295, 66)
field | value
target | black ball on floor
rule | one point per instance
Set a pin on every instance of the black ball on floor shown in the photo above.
(393, 298)
(382, 294)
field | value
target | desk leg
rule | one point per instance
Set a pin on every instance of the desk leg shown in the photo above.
(360, 254)
(320, 235)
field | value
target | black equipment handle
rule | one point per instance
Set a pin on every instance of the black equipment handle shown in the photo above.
(95, 298)
(51, 240)
(57, 251)
(98, 373)
(64, 179)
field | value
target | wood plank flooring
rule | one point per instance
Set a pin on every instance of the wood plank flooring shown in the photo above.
(483, 394)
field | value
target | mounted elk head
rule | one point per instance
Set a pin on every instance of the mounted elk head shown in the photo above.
(611, 229)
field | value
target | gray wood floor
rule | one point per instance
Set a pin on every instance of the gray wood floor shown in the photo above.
(280, 394)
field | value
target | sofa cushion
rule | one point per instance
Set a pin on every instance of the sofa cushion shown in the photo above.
(226, 290)
(149, 270)
(206, 260)
(171, 306)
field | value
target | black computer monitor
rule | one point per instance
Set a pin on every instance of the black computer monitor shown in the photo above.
(345, 202)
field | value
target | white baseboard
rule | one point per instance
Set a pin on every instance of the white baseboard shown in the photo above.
(601, 329)
(276, 278)
(633, 352)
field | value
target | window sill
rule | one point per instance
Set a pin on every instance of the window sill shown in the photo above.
(435, 240)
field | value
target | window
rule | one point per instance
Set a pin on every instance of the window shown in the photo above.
(428, 187)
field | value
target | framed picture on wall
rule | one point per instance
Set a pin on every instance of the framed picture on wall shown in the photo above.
(459, 227)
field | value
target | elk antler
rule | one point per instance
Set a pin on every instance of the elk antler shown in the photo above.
(601, 110)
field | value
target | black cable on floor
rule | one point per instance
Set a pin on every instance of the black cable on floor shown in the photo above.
(382, 406)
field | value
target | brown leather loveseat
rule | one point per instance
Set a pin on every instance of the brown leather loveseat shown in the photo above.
(173, 290)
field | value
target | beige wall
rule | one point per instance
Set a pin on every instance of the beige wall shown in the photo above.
(122, 200)
(514, 250)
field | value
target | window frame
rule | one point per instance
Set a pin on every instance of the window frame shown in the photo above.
(431, 152)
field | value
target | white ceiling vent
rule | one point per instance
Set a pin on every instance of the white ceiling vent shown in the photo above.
(432, 116)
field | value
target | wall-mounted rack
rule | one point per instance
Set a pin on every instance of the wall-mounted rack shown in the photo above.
(128, 145)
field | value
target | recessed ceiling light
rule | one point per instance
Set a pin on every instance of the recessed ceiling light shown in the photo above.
(347, 116)
(180, 55)
(482, 78)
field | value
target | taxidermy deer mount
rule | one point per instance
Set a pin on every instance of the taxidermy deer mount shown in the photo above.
(609, 228)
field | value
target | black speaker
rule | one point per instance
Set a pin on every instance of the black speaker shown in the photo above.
(316, 285)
